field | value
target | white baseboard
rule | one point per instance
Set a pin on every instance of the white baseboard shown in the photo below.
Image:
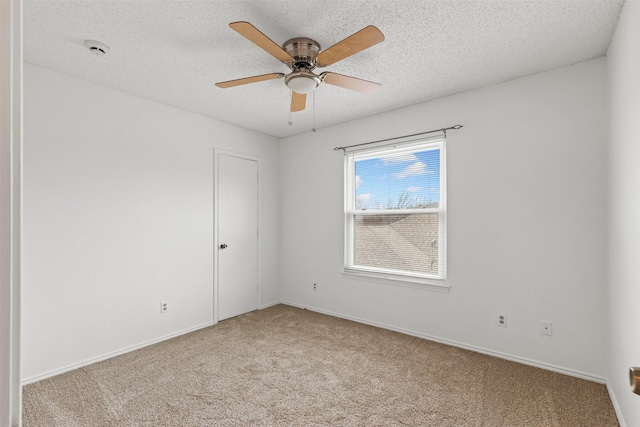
(616, 405)
(106, 356)
(271, 304)
(500, 355)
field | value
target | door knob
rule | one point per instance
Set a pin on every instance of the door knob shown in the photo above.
(634, 379)
(223, 246)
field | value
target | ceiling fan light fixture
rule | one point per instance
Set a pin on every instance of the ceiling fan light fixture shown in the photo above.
(302, 82)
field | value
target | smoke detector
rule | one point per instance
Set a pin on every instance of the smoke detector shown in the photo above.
(96, 47)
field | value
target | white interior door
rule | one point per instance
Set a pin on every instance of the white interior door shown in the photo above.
(237, 244)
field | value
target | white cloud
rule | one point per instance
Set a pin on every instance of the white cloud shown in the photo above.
(391, 159)
(362, 200)
(414, 189)
(358, 181)
(417, 168)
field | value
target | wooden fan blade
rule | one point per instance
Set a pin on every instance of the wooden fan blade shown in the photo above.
(247, 80)
(254, 35)
(298, 101)
(363, 39)
(347, 82)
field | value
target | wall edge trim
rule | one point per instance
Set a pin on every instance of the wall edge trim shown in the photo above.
(616, 405)
(269, 304)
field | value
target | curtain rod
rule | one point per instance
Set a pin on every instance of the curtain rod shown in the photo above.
(444, 130)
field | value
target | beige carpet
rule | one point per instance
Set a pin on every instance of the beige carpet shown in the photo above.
(283, 366)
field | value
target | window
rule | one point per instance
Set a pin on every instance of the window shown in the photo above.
(395, 211)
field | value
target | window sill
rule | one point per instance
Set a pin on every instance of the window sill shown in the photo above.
(398, 280)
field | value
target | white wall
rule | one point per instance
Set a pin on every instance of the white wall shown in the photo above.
(118, 216)
(623, 66)
(527, 221)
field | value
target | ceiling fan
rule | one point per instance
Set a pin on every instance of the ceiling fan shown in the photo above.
(302, 55)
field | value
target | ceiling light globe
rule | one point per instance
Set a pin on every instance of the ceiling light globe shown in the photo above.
(302, 82)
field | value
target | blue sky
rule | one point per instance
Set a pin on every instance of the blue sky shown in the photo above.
(383, 179)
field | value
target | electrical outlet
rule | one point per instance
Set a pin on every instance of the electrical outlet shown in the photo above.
(546, 328)
(164, 307)
(502, 320)
(315, 286)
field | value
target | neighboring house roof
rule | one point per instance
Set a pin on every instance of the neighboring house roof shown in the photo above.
(399, 242)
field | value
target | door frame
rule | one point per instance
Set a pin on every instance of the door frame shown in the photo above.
(216, 224)
(11, 79)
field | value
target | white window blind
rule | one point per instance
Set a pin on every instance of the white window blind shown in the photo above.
(395, 210)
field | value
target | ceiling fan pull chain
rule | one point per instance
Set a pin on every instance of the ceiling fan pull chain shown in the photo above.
(290, 122)
(314, 111)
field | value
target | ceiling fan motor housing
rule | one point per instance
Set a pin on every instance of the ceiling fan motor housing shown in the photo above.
(304, 50)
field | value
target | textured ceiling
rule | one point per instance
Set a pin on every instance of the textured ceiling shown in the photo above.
(174, 51)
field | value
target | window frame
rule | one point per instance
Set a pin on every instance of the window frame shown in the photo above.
(385, 275)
